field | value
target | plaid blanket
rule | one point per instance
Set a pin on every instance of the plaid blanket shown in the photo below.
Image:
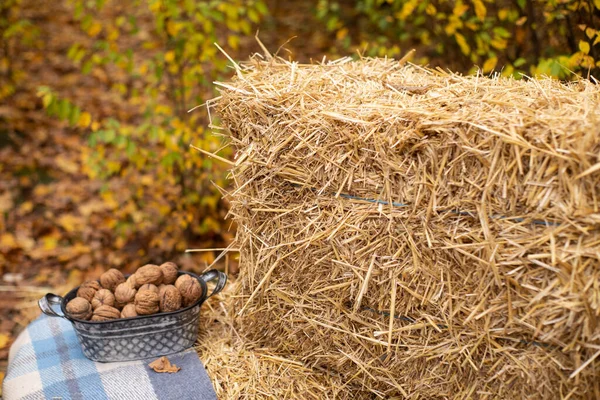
(46, 362)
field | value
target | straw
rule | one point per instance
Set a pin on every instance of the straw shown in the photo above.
(421, 233)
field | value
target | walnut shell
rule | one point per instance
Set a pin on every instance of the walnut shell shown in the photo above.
(92, 284)
(103, 297)
(88, 289)
(149, 273)
(105, 313)
(124, 294)
(80, 308)
(189, 288)
(169, 270)
(129, 311)
(146, 302)
(161, 288)
(132, 282)
(170, 299)
(149, 286)
(111, 279)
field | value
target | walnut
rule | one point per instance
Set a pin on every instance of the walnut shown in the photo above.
(149, 286)
(79, 308)
(170, 299)
(129, 311)
(111, 279)
(169, 270)
(103, 297)
(131, 282)
(88, 289)
(93, 284)
(105, 313)
(161, 288)
(146, 302)
(149, 273)
(124, 294)
(190, 289)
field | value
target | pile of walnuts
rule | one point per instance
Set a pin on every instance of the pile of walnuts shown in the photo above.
(152, 289)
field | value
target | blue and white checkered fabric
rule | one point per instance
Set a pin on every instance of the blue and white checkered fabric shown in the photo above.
(46, 362)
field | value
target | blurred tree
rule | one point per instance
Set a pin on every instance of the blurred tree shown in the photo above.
(159, 57)
(535, 37)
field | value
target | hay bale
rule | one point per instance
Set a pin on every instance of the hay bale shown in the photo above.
(465, 207)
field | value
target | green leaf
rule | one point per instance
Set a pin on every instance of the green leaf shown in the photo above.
(64, 109)
(519, 61)
(131, 149)
(74, 115)
(108, 135)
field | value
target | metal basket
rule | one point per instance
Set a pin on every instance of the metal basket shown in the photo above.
(139, 337)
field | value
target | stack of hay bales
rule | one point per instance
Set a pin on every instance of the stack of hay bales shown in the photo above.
(420, 233)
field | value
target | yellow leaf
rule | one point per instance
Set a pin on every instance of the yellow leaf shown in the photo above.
(459, 8)
(503, 14)
(170, 56)
(584, 46)
(597, 4)
(95, 126)
(480, 9)
(499, 43)
(85, 119)
(172, 28)
(26, 207)
(462, 42)
(489, 64)
(233, 41)
(407, 10)
(430, 10)
(7, 241)
(94, 29)
(75, 278)
(113, 35)
(4, 339)
(70, 222)
(342, 33)
(590, 32)
(147, 180)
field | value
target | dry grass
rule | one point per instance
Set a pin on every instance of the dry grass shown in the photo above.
(467, 207)
(241, 370)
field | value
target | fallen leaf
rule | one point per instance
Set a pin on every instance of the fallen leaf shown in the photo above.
(6, 202)
(8, 242)
(163, 365)
(4, 339)
(67, 165)
(70, 222)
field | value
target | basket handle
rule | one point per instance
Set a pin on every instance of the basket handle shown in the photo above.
(212, 275)
(46, 302)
